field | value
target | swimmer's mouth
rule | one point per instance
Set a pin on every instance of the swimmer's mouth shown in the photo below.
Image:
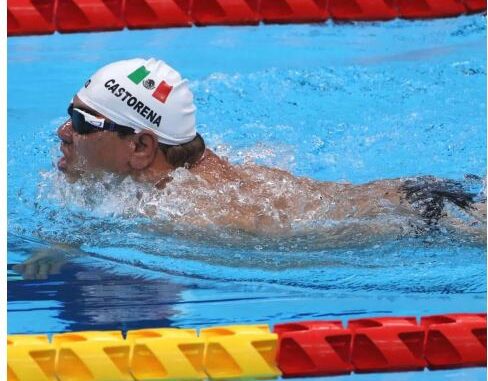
(72, 175)
(63, 162)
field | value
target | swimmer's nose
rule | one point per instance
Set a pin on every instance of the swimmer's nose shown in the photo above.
(65, 132)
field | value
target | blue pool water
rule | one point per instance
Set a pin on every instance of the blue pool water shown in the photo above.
(353, 102)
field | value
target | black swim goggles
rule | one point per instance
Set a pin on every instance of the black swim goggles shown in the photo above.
(85, 123)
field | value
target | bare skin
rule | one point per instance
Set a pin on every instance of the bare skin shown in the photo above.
(378, 202)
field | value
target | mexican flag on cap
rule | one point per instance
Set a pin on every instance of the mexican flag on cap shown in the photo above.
(162, 90)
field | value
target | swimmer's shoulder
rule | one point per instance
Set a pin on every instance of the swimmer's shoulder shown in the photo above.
(213, 167)
(209, 160)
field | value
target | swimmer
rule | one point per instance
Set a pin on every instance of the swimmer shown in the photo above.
(136, 118)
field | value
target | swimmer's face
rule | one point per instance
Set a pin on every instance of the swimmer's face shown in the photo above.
(100, 151)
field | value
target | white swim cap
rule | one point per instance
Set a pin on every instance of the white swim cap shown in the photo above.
(145, 95)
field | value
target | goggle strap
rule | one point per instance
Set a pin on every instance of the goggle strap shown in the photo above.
(93, 120)
(100, 123)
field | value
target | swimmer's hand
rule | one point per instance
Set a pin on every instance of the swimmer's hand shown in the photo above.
(42, 264)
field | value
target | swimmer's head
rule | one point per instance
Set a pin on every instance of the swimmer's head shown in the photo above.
(144, 95)
(126, 110)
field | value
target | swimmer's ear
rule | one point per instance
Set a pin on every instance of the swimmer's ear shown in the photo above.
(144, 149)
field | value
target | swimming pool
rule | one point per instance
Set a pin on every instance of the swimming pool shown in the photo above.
(334, 102)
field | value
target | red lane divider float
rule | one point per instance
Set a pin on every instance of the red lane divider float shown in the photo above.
(455, 340)
(363, 10)
(44, 16)
(89, 15)
(320, 348)
(225, 12)
(293, 11)
(387, 344)
(141, 14)
(313, 348)
(474, 6)
(30, 17)
(428, 9)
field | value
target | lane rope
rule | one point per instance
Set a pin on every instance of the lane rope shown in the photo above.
(31, 17)
(303, 348)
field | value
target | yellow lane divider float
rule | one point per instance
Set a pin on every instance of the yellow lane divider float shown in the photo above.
(30, 357)
(240, 352)
(226, 352)
(166, 353)
(92, 356)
